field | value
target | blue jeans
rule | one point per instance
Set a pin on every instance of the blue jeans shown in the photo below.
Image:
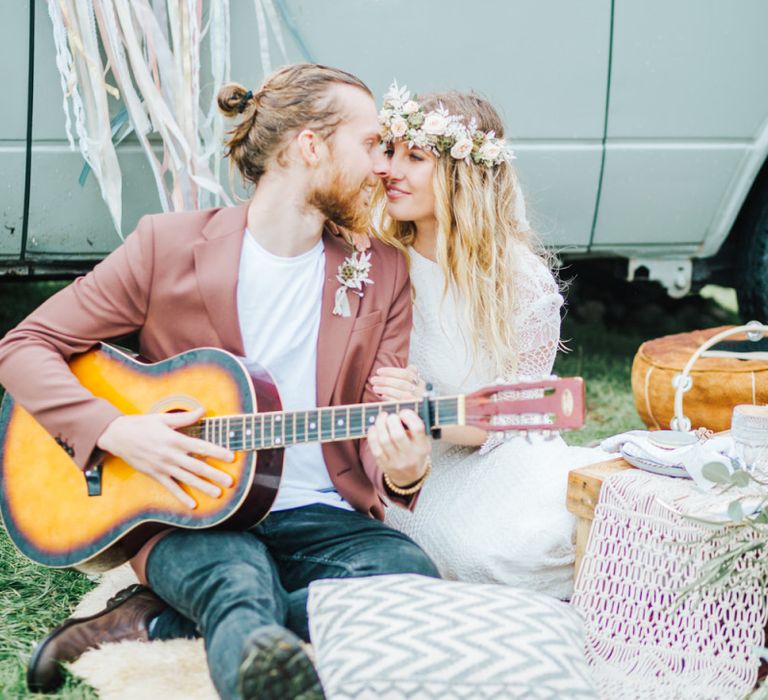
(227, 584)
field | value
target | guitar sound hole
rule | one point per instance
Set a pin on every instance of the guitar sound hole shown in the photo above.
(179, 403)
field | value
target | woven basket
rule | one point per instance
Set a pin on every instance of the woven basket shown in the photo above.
(715, 384)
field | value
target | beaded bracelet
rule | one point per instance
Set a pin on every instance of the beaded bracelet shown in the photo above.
(413, 488)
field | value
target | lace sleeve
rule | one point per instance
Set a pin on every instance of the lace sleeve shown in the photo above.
(537, 320)
(538, 323)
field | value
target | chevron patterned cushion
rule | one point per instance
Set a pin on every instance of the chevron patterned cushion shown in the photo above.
(407, 636)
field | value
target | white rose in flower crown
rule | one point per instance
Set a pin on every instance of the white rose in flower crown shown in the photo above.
(490, 150)
(462, 148)
(456, 130)
(410, 107)
(435, 124)
(398, 126)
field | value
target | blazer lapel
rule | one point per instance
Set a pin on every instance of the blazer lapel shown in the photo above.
(334, 332)
(217, 264)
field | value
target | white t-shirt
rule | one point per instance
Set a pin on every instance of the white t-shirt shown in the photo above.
(278, 303)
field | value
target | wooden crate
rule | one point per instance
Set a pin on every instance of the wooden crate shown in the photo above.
(584, 486)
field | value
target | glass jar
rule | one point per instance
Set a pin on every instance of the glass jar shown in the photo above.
(749, 430)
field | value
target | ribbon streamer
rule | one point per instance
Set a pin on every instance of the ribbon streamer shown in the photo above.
(153, 53)
(341, 303)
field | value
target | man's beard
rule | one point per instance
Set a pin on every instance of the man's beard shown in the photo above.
(342, 203)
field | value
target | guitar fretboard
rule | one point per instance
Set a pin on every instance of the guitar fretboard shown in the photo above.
(262, 431)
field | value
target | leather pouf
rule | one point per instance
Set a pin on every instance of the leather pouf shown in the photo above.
(719, 383)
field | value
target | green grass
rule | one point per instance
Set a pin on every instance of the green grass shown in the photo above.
(604, 359)
(34, 599)
(602, 351)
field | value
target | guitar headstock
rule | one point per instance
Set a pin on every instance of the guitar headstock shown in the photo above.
(547, 404)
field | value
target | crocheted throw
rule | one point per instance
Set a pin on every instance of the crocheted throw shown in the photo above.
(642, 550)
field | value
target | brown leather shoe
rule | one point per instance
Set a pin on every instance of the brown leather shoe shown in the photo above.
(126, 617)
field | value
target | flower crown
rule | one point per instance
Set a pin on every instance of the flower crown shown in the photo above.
(402, 118)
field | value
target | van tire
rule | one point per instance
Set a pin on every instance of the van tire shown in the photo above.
(751, 273)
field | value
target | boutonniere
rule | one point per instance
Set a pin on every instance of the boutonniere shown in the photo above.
(352, 275)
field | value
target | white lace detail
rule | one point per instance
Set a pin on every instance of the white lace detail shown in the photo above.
(519, 488)
(537, 319)
(491, 442)
(441, 350)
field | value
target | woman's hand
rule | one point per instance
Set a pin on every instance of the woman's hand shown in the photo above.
(400, 446)
(398, 384)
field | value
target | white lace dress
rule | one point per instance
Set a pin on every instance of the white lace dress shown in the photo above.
(494, 514)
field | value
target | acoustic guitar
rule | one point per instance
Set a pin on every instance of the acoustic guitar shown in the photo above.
(60, 516)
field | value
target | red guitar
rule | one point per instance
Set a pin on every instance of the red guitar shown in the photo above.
(58, 518)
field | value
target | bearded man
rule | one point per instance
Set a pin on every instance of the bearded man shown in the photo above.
(261, 282)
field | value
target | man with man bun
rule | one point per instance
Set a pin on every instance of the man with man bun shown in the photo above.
(259, 281)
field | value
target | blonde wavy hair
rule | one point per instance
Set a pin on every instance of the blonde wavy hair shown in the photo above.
(478, 235)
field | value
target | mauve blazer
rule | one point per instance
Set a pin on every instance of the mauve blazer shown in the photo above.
(174, 281)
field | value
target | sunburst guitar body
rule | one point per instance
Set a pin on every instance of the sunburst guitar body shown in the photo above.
(44, 496)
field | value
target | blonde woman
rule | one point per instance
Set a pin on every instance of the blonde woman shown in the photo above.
(486, 306)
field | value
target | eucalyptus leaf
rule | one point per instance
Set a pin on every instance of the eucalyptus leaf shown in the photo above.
(740, 478)
(717, 472)
(735, 511)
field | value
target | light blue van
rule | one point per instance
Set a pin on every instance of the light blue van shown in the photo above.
(640, 126)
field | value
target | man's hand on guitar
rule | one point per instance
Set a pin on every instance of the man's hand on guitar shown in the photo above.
(151, 444)
(400, 445)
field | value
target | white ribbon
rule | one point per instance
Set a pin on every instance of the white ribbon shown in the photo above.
(341, 305)
(153, 49)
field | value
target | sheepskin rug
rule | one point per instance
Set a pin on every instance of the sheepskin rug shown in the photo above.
(172, 670)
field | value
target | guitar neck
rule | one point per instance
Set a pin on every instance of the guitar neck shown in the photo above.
(263, 431)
